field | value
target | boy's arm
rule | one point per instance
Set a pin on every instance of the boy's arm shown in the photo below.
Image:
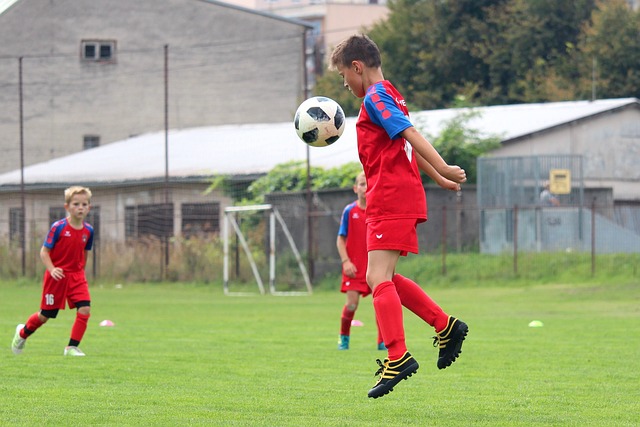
(431, 156)
(443, 182)
(45, 256)
(347, 266)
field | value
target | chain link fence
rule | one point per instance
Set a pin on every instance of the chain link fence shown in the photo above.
(155, 232)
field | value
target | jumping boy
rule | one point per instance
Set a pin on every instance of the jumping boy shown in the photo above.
(352, 247)
(392, 151)
(64, 255)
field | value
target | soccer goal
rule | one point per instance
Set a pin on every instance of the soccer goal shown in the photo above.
(274, 216)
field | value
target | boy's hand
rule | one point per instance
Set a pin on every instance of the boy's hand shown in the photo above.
(455, 174)
(57, 273)
(447, 184)
(349, 269)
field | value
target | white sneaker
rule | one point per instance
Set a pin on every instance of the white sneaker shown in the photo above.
(71, 350)
(18, 342)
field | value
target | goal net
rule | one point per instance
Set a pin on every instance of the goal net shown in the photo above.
(249, 236)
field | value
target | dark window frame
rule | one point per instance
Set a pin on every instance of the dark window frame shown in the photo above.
(90, 141)
(200, 218)
(95, 50)
(16, 225)
(154, 219)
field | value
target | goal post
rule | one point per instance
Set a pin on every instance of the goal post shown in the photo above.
(274, 217)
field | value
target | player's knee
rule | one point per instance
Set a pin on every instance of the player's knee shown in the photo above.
(84, 307)
(371, 281)
(352, 307)
(374, 280)
(45, 315)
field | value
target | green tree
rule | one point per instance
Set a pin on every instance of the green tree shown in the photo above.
(428, 49)
(527, 41)
(504, 51)
(609, 50)
(489, 51)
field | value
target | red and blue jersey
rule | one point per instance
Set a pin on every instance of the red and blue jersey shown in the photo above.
(394, 185)
(67, 245)
(353, 226)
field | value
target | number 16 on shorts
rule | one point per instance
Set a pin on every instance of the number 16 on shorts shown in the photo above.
(48, 299)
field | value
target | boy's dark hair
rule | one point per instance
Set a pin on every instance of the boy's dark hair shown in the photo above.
(358, 47)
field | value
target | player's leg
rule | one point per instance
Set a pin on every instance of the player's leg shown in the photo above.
(400, 364)
(78, 329)
(450, 332)
(416, 299)
(386, 301)
(51, 301)
(25, 330)
(79, 297)
(348, 312)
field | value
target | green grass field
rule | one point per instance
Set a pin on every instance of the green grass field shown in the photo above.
(187, 355)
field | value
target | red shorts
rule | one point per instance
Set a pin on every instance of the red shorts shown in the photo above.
(73, 287)
(393, 235)
(359, 285)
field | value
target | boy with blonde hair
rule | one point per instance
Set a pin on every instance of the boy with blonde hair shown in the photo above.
(64, 255)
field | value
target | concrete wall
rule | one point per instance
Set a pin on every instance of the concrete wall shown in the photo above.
(225, 66)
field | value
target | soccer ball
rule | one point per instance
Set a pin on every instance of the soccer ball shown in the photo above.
(319, 121)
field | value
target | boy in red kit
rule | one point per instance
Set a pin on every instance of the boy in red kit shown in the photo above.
(352, 247)
(64, 254)
(392, 151)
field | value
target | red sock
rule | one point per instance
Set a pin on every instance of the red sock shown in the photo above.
(416, 299)
(345, 320)
(33, 323)
(389, 314)
(79, 326)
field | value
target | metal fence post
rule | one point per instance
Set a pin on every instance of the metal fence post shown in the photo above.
(444, 240)
(515, 239)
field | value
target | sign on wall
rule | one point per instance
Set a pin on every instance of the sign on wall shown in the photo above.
(560, 181)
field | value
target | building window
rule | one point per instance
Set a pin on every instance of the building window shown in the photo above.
(90, 141)
(16, 225)
(98, 50)
(149, 220)
(200, 218)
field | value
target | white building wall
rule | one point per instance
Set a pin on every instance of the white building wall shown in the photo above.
(225, 66)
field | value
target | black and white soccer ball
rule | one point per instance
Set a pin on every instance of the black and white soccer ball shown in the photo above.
(319, 121)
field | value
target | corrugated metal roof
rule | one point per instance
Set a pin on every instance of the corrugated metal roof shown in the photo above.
(6, 4)
(257, 148)
(206, 151)
(514, 121)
